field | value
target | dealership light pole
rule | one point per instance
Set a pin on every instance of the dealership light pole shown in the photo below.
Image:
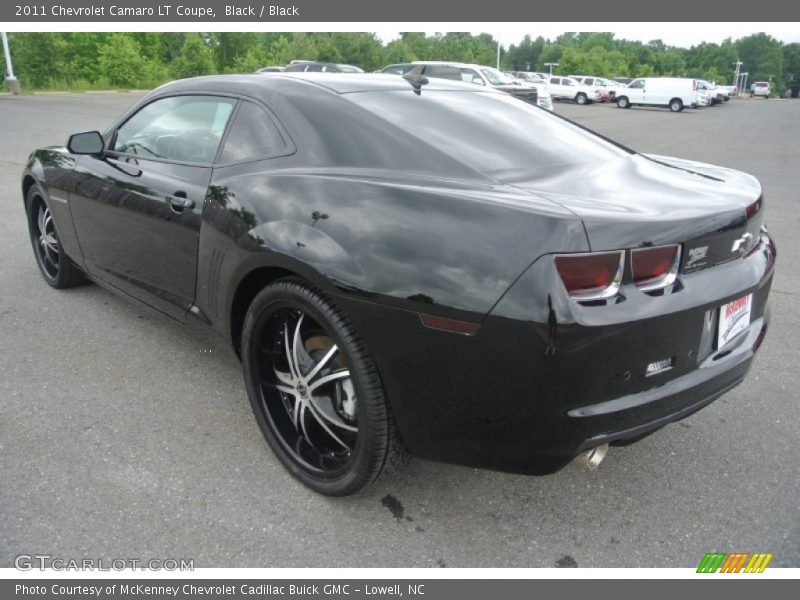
(498, 55)
(551, 65)
(11, 81)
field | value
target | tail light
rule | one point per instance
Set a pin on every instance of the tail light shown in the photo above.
(753, 208)
(591, 276)
(655, 268)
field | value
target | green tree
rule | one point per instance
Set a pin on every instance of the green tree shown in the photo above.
(791, 61)
(397, 51)
(195, 58)
(121, 61)
(526, 55)
(762, 56)
(39, 58)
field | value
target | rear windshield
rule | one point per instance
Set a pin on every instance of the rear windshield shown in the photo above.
(496, 134)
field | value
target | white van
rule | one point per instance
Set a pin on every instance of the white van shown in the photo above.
(674, 92)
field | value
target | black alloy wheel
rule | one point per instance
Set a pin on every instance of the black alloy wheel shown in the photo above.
(314, 390)
(56, 267)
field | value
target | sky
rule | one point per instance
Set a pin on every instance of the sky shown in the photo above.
(673, 34)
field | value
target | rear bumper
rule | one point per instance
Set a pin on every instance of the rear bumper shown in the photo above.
(544, 379)
(679, 398)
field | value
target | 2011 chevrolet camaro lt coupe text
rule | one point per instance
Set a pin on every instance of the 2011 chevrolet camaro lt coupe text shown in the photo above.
(413, 266)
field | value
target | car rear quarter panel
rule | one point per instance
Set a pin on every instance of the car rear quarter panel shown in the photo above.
(437, 246)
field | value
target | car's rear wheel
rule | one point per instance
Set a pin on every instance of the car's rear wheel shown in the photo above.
(623, 102)
(56, 267)
(581, 98)
(676, 105)
(315, 391)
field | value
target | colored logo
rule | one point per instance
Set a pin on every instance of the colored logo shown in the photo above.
(734, 562)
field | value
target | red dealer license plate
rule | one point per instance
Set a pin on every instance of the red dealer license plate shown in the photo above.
(734, 317)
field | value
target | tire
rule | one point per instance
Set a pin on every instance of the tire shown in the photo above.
(676, 105)
(623, 102)
(581, 99)
(56, 267)
(337, 436)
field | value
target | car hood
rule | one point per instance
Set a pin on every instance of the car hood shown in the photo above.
(647, 199)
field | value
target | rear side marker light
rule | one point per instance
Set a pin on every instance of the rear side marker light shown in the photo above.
(760, 338)
(449, 325)
(655, 268)
(591, 276)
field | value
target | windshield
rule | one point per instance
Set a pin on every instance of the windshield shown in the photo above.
(495, 77)
(492, 133)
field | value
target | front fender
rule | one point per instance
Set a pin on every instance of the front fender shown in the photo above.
(51, 169)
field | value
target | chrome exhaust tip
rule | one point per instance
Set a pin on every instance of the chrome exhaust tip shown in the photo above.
(591, 458)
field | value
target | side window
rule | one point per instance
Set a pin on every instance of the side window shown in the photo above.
(589, 81)
(252, 135)
(471, 76)
(397, 69)
(637, 84)
(555, 80)
(180, 128)
(443, 72)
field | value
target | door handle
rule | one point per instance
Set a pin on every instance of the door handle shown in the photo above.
(178, 201)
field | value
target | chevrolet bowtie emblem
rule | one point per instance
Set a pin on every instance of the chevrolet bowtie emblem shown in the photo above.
(741, 244)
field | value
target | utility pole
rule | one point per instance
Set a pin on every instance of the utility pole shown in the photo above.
(11, 81)
(498, 55)
(551, 65)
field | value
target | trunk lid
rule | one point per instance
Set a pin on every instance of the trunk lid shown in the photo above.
(635, 201)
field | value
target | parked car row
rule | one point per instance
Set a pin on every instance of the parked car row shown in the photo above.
(675, 93)
(564, 88)
(313, 66)
(535, 93)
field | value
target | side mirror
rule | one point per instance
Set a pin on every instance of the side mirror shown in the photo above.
(88, 142)
(477, 80)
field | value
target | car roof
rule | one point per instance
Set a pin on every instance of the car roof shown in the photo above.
(340, 83)
(451, 63)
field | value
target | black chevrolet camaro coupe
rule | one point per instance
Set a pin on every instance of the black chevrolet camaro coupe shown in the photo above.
(413, 266)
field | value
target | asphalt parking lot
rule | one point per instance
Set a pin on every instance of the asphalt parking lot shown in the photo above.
(124, 435)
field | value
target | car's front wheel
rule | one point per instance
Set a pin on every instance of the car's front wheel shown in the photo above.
(56, 267)
(315, 391)
(623, 102)
(581, 98)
